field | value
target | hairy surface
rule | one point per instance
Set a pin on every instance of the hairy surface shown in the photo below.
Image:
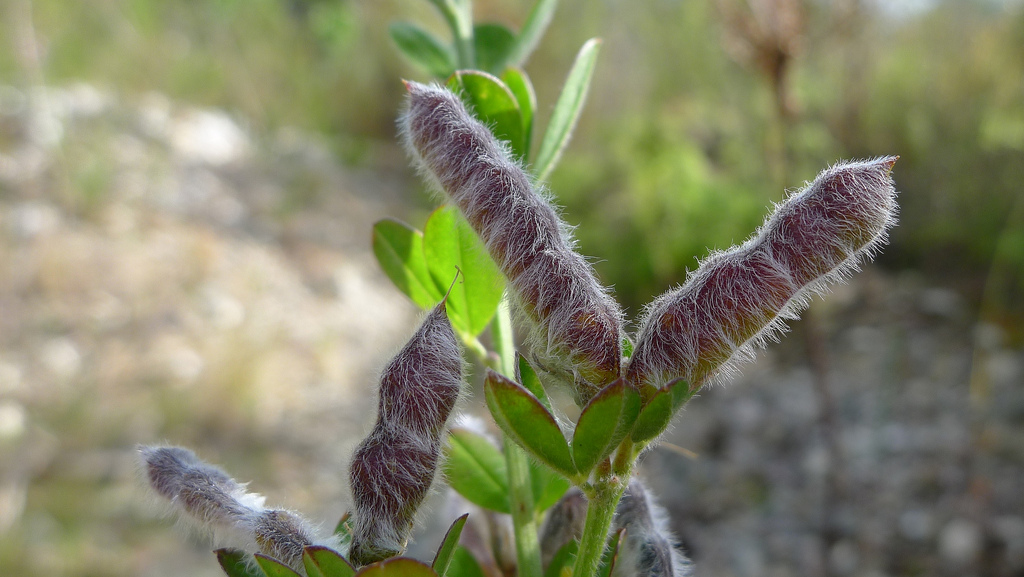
(563, 524)
(739, 298)
(574, 326)
(211, 499)
(646, 549)
(393, 468)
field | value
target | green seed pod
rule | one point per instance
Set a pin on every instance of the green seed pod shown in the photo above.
(575, 327)
(393, 468)
(739, 298)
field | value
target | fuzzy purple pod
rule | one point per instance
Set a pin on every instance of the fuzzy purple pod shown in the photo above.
(739, 298)
(394, 466)
(209, 498)
(647, 548)
(575, 327)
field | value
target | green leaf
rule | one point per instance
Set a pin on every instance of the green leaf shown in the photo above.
(274, 568)
(343, 530)
(521, 87)
(657, 413)
(548, 486)
(449, 244)
(567, 109)
(533, 29)
(627, 347)
(423, 49)
(525, 420)
(443, 558)
(237, 563)
(476, 470)
(397, 567)
(610, 555)
(563, 560)
(492, 103)
(681, 393)
(464, 564)
(604, 422)
(529, 379)
(325, 562)
(399, 250)
(492, 43)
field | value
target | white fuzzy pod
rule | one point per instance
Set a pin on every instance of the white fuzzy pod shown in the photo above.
(394, 466)
(575, 327)
(646, 549)
(211, 499)
(739, 298)
(563, 523)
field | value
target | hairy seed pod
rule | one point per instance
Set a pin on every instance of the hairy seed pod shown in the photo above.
(208, 496)
(393, 468)
(281, 534)
(563, 524)
(575, 327)
(740, 297)
(646, 549)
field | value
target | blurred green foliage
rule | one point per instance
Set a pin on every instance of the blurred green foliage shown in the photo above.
(680, 147)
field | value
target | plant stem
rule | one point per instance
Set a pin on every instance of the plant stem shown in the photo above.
(524, 522)
(603, 499)
(458, 15)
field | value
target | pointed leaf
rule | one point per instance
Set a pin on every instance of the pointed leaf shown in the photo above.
(528, 377)
(397, 567)
(563, 560)
(610, 555)
(493, 104)
(325, 562)
(399, 250)
(604, 422)
(237, 563)
(525, 420)
(423, 49)
(449, 244)
(681, 393)
(492, 43)
(532, 31)
(274, 568)
(446, 551)
(567, 109)
(343, 530)
(464, 564)
(475, 468)
(548, 486)
(521, 87)
(657, 413)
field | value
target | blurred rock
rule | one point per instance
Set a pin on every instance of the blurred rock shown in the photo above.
(917, 524)
(960, 541)
(205, 137)
(61, 357)
(33, 219)
(12, 422)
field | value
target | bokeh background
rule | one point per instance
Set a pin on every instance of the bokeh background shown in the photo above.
(187, 190)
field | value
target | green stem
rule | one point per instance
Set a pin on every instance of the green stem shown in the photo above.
(458, 15)
(524, 522)
(603, 498)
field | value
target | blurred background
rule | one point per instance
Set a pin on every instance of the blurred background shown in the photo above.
(187, 190)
